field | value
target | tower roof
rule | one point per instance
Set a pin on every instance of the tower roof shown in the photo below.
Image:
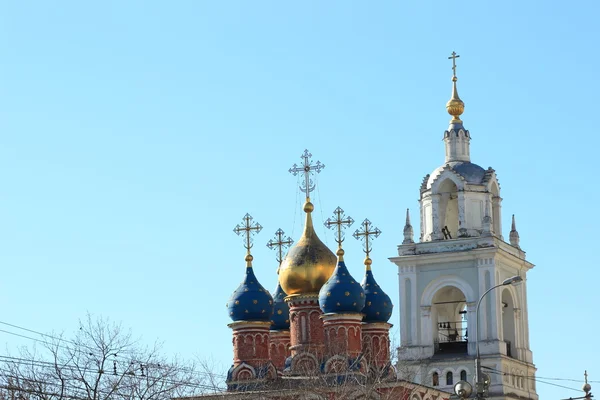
(250, 301)
(341, 293)
(281, 311)
(378, 305)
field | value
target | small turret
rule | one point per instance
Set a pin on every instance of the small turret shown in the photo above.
(408, 230)
(514, 235)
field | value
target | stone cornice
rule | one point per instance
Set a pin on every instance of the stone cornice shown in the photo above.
(457, 249)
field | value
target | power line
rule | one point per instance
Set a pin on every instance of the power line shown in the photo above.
(529, 377)
(130, 360)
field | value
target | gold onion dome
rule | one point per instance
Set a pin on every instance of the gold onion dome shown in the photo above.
(455, 105)
(309, 263)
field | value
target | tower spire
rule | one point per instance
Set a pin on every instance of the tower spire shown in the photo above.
(457, 138)
(514, 235)
(455, 105)
(408, 230)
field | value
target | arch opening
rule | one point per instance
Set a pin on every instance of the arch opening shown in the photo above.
(448, 211)
(508, 322)
(449, 319)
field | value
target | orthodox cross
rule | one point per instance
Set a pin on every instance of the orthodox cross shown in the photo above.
(307, 168)
(339, 221)
(366, 232)
(247, 228)
(279, 243)
(453, 57)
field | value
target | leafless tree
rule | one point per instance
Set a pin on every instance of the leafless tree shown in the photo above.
(101, 362)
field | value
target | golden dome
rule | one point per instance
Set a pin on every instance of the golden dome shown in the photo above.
(309, 263)
(455, 105)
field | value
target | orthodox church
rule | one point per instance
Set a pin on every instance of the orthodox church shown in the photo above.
(321, 327)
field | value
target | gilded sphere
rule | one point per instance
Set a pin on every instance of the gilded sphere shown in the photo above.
(249, 258)
(368, 261)
(308, 207)
(308, 264)
(455, 107)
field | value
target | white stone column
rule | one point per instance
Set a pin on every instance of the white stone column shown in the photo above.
(426, 326)
(462, 221)
(472, 327)
(497, 216)
(435, 217)
(422, 222)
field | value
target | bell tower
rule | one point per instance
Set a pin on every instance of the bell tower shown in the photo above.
(460, 255)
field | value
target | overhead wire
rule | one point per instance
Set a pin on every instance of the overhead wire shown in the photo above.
(529, 377)
(129, 360)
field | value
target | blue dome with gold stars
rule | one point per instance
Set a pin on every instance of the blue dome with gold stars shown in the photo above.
(250, 301)
(378, 306)
(341, 293)
(280, 320)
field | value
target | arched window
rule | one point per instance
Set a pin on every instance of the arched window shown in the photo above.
(449, 378)
(435, 379)
(463, 375)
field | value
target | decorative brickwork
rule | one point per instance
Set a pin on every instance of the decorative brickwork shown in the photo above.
(306, 325)
(279, 348)
(376, 344)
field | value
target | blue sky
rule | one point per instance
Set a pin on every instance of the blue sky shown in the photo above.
(135, 135)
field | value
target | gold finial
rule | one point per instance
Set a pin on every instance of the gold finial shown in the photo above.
(307, 168)
(339, 221)
(367, 231)
(247, 228)
(455, 105)
(279, 243)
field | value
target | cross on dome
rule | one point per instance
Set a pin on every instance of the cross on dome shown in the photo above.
(453, 57)
(279, 243)
(307, 168)
(339, 222)
(365, 233)
(247, 228)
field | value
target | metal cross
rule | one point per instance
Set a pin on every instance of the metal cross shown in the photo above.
(247, 228)
(307, 168)
(453, 57)
(279, 243)
(367, 231)
(339, 221)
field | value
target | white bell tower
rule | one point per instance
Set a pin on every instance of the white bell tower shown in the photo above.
(460, 255)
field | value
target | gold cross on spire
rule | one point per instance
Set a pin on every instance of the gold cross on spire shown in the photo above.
(339, 221)
(279, 243)
(307, 168)
(365, 233)
(247, 228)
(453, 57)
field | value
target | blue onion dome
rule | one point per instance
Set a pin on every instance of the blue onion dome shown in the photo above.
(341, 293)
(378, 306)
(280, 321)
(250, 301)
